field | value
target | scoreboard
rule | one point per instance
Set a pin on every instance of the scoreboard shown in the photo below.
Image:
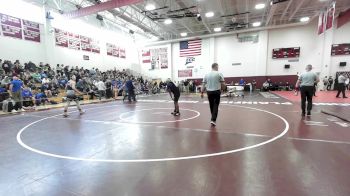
(340, 49)
(281, 53)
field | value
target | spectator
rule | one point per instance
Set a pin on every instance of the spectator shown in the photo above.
(101, 88)
(325, 83)
(28, 99)
(41, 98)
(6, 67)
(241, 82)
(16, 93)
(131, 93)
(330, 83)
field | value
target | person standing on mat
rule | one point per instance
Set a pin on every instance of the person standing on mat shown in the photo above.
(174, 90)
(341, 86)
(306, 84)
(131, 89)
(213, 82)
(72, 92)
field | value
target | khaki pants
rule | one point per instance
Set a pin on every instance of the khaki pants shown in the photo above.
(17, 97)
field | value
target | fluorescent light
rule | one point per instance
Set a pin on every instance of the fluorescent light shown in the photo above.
(260, 6)
(168, 21)
(209, 14)
(183, 34)
(256, 24)
(150, 7)
(217, 29)
(304, 19)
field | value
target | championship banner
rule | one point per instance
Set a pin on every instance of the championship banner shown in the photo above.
(31, 31)
(321, 21)
(11, 26)
(157, 57)
(330, 16)
(61, 38)
(185, 73)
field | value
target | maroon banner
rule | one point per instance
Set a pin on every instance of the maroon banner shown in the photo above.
(74, 41)
(340, 49)
(321, 19)
(185, 73)
(116, 52)
(31, 31)
(10, 31)
(279, 53)
(110, 49)
(61, 38)
(11, 26)
(122, 53)
(330, 16)
(95, 46)
(85, 43)
(10, 21)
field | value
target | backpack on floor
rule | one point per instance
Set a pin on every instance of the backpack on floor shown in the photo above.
(8, 105)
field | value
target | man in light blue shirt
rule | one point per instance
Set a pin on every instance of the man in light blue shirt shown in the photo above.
(306, 84)
(213, 82)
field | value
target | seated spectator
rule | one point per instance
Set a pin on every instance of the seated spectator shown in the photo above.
(101, 88)
(37, 77)
(266, 86)
(6, 81)
(241, 82)
(6, 66)
(28, 99)
(45, 80)
(41, 98)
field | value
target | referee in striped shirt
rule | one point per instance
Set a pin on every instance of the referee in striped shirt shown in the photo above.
(213, 82)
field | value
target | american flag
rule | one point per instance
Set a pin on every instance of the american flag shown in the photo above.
(191, 48)
(146, 56)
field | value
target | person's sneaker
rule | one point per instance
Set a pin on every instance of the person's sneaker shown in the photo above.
(13, 111)
(213, 123)
(337, 97)
(308, 113)
(22, 110)
(303, 114)
(173, 113)
(65, 115)
(82, 112)
(345, 97)
(177, 114)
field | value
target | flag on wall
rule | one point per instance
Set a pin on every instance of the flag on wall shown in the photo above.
(321, 20)
(330, 16)
(191, 48)
(146, 56)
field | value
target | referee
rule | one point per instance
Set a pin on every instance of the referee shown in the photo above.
(213, 82)
(306, 84)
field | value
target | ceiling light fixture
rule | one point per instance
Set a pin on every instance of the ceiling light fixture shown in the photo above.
(260, 6)
(209, 14)
(256, 24)
(150, 7)
(184, 34)
(304, 19)
(217, 29)
(168, 21)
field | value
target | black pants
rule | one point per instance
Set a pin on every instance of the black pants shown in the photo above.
(306, 93)
(329, 86)
(341, 88)
(131, 95)
(214, 102)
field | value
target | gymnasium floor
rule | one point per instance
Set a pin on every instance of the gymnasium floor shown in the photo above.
(260, 147)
